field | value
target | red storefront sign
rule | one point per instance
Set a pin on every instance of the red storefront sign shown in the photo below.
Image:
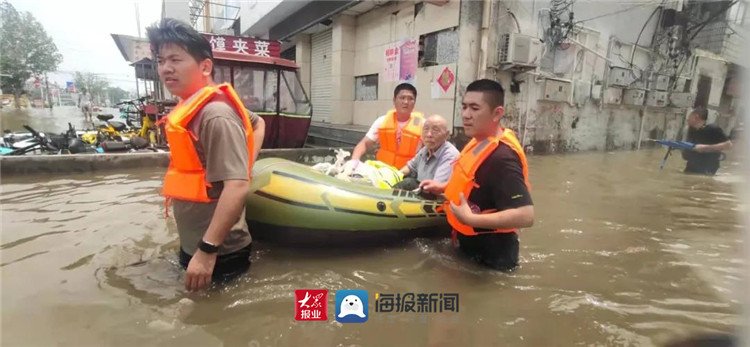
(244, 45)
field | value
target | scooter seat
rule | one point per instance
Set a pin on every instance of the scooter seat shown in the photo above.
(119, 126)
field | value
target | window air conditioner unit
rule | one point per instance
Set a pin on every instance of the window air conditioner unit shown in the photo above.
(657, 98)
(519, 49)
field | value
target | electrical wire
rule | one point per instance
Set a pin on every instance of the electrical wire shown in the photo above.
(614, 13)
(702, 25)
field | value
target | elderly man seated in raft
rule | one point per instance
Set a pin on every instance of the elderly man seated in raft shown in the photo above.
(434, 161)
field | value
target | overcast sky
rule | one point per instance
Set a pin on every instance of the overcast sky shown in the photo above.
(81, 30)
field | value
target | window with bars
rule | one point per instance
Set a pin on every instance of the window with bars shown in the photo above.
(366, 87)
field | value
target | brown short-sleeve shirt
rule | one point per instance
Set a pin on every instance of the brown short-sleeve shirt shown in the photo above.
(223, 153)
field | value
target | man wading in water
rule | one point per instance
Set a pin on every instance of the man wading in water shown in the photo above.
(488, 189)
(211, 151)
(709, 142)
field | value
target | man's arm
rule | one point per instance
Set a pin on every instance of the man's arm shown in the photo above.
(368, 141)
(405, 170)
(411, 166)
(362, 147)
(520, 217)
(228, 209)
(433, 186)
(259, 133)
(223, 140)
(720, 141)
(509, 190)
(719, 147)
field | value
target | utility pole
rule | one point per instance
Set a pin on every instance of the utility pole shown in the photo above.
(49, 94)
(41, 90)
(137, 18)
(207, 17)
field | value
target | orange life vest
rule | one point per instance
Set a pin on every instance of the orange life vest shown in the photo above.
(398, 154)
(464, 169)
(186, 176)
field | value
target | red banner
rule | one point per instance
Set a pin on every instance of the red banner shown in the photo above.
(244, 45)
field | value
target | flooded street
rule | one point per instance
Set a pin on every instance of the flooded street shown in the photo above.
(53, 120)
(621, 254)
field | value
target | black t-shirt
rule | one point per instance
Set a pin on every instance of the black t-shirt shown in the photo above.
(500, 181)
(501, 187)
(704, 163)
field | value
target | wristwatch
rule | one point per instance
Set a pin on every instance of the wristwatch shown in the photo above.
(208, 247)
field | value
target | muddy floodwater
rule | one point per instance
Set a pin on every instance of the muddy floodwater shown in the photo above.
(621, 254)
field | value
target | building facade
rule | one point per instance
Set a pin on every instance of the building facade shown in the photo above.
(578, 76)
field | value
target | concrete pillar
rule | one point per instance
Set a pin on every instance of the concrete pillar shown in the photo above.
(469, 36)
(303, 50)
(342, 70)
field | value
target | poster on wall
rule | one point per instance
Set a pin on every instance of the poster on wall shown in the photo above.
(409, 55)
(391, 65)
(400, 63)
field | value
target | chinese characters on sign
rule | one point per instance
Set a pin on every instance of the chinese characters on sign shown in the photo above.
(311, 305)
(401, 61)
(418, 303)
(392, 62)
(244, 45)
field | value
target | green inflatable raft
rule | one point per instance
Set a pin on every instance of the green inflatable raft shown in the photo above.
(294, 204)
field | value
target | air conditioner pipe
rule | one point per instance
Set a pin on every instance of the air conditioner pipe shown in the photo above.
(486, 15)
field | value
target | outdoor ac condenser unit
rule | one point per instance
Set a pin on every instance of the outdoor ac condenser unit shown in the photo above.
(519, 49)
(620, 77)
(657, 99)
(681, 99)
(613, 95)
(557, 90)
(661, 82)
(633, 97)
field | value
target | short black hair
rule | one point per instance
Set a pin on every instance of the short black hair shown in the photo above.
(493, 92)
(702, 113)
(405, 86)
(170, 30)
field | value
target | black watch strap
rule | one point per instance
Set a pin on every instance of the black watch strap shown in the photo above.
(207, 247)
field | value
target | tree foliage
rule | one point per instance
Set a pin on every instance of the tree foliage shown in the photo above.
(116, 94)
(91, 82)
(27, 50)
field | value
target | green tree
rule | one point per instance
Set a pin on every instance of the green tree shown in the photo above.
(26, 50)
(116, 94)
(94, 84)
